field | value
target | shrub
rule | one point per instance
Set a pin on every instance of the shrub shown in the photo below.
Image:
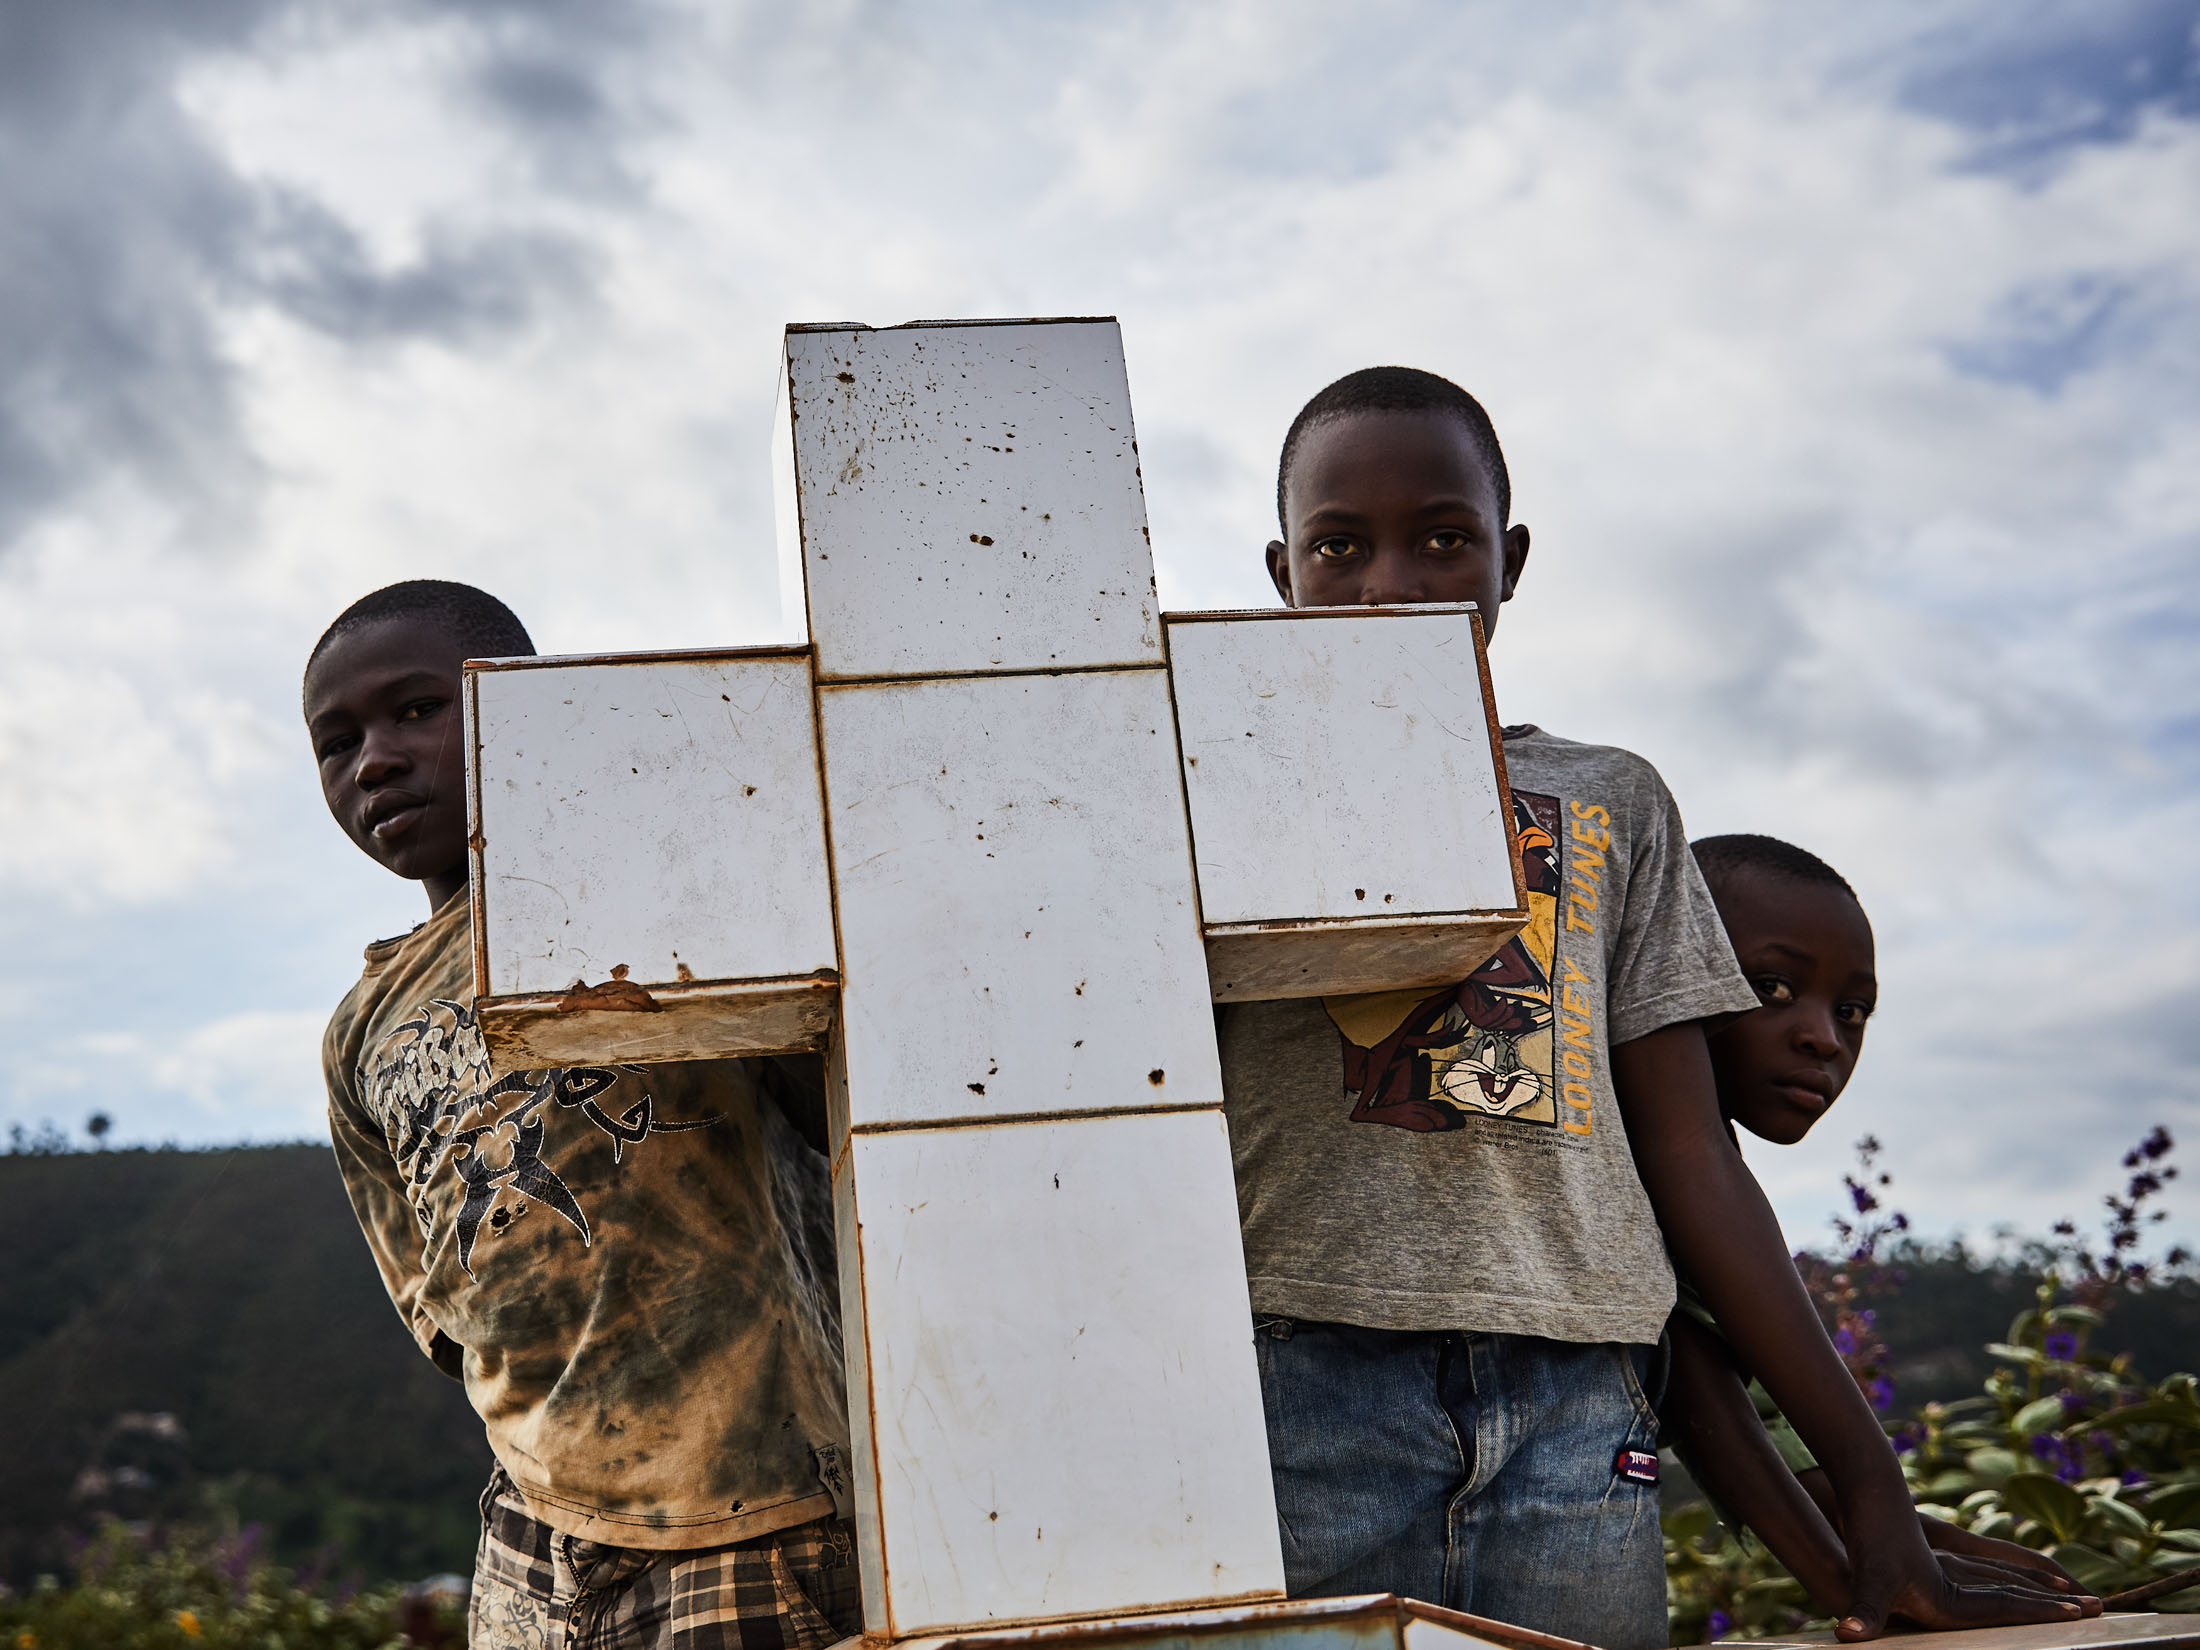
(2067, 1450)
(192, 1593)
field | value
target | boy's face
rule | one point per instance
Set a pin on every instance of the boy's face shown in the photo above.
(382, 709)
(1807, 950)
(1384, 508)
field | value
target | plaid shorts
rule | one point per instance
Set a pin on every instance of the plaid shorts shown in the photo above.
(535, 1589)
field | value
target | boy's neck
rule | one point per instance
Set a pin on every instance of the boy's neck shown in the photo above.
(442, 887)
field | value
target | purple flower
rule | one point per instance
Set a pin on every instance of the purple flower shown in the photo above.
(2062, 1346)
(2070, 1400)
(2132, 1475)
(2067, 1470)
(1882, 1393)
(2045, 1444)
(1905, 1441)
(1844, 1343)
(1721, 1624)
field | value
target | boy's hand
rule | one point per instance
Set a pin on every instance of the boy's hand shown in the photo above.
(1967, 1571)
(1958, 1592)
(1946, 1538)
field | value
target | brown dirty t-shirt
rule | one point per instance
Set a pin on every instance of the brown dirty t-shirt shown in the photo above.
(1454, 1159)
(630, 1267)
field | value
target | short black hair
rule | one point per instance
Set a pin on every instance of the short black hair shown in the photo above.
(484, 626)
(1398, 389)
(1720, 857)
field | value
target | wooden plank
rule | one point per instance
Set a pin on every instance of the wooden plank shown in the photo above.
(1253, 962)
(708, 1021)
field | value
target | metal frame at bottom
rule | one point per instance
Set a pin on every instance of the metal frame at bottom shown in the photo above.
(1372, 1621)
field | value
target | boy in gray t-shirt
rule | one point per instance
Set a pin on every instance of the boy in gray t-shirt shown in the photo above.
(1457, 1204)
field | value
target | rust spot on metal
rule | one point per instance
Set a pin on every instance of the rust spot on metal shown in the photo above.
(617, 992)
(681, 970)
(980, 538)
(620, 971)
(1359, 893)
(1157, 1077)
(975, 1088)
(845, 377)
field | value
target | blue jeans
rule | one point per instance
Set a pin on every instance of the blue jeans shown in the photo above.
(1479, 1472)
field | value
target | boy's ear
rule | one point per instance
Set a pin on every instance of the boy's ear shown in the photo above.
(1279, 569)
(1516, 557)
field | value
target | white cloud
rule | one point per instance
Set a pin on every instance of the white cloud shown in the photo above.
(1860, 455)
(257, 1070)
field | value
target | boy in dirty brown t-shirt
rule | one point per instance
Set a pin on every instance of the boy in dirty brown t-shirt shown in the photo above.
(629, 1268)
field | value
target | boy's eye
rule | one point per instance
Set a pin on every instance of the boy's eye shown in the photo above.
(1853, 1014)
(1448, 542)
(335, 745)
(1773, 989)
(420, 708)
(1332, 549)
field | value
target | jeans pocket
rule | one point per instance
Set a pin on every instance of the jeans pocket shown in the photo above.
(1631, 1360)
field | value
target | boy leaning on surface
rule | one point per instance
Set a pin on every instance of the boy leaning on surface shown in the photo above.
(1458, 1204)
(1805, 945)
(629, 1268)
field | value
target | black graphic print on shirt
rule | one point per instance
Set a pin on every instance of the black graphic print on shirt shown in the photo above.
(429, 1084)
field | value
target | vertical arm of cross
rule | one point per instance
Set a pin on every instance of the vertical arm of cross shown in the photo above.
(1055, 1404)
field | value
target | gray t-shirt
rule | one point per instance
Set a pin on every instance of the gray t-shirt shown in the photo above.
(1454, 1158)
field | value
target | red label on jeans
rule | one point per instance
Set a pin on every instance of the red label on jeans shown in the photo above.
(1637, 1466)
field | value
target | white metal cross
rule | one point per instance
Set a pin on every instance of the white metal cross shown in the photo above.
(995, 839)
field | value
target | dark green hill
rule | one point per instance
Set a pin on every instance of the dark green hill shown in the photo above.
(229, 1290)
(1937, 1325)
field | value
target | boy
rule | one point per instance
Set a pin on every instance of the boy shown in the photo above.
(1803, 941)
(629, 1268)
(1453, 1200)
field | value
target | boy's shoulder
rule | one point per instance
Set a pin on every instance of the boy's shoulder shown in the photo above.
(428, 962)
(1539, 756)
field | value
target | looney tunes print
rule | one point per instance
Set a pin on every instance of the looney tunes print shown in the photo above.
(1427, 1061)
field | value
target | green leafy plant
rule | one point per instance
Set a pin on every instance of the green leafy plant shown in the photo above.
(1721, 1585)
(2071, 1452)
(193, 1593)
(2067, 1450)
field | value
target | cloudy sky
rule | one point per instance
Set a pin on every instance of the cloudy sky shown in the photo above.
(1848, 359)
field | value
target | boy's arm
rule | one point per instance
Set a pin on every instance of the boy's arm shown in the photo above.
(1723, 1234)
(1710, 1419)
(377, 1194)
